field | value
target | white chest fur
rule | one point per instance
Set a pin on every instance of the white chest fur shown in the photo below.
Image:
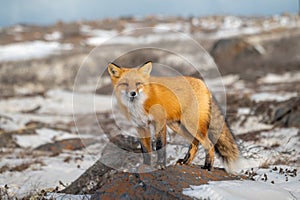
(138, 116)
(137, 113)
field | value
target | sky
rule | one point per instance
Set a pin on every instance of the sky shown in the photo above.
(45, 12)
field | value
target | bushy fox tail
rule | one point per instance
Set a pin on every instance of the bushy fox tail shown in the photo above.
(223, 139)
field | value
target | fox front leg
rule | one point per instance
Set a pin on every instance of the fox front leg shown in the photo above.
(145, 140)
(161, 148)
(159, 124)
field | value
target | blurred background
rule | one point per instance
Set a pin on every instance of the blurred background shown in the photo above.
(48, 12)
(55, 93)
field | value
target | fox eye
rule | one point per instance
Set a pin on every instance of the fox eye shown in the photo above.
(138, 83)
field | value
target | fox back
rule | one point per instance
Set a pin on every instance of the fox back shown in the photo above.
(182, 98)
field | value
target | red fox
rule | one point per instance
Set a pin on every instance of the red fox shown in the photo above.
(184, 104)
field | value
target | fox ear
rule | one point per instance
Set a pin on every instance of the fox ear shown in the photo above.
(114, 70)
(146, 68)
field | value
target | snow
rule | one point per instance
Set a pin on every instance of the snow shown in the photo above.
(18, 28)
(165, 27)
(100, 36)
(206, 24)
(287, 77)
(16, 121)
(133, 40)
(43, 136)
(277, 185)
(231, 22)
(224, 80)
(97, 36)
(244, 111)
(236, 190)
(227, 33)
(56, 35)
(286, 137)
(59, 102)
(57, 106)
(280, 145)
(160, 32)
(31, 50)
(230, 26)
(62, 196)
(46, 175)
(224, 27)
(249, 124)
(267, 96)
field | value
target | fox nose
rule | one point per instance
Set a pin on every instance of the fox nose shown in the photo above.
(132, 94)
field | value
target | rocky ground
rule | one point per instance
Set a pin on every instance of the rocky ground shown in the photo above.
(59, 135)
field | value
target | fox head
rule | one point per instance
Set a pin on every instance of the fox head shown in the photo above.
(129, 82)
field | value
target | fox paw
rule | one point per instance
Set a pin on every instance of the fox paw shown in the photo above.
(145, 168)
(160, 166)
(182, 162)
(208, 167)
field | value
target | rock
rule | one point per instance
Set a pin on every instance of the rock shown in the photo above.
(67, 144)
(285, 113)
(227, 50)
(92, 177)
(7, 141)
(89, 180)
(105, 89)
(160, 184)
(106, 179)
(253, 56)
(294, 119)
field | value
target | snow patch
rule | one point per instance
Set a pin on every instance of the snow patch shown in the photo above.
(165, 27)
(62, 196)
(48, 175)
(59, 102)
(56, 35)
(249, 124)
(43, 136)
(130, 40)
(287, 77)
(267, 96)
(100, 36)
(31, 50)
(112, 37)
(236, 190)
(244, 111)
(224, 80)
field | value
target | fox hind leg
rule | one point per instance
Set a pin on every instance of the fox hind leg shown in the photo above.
(198, 138)
(190, 154)
(181, 130)
(209, 154)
